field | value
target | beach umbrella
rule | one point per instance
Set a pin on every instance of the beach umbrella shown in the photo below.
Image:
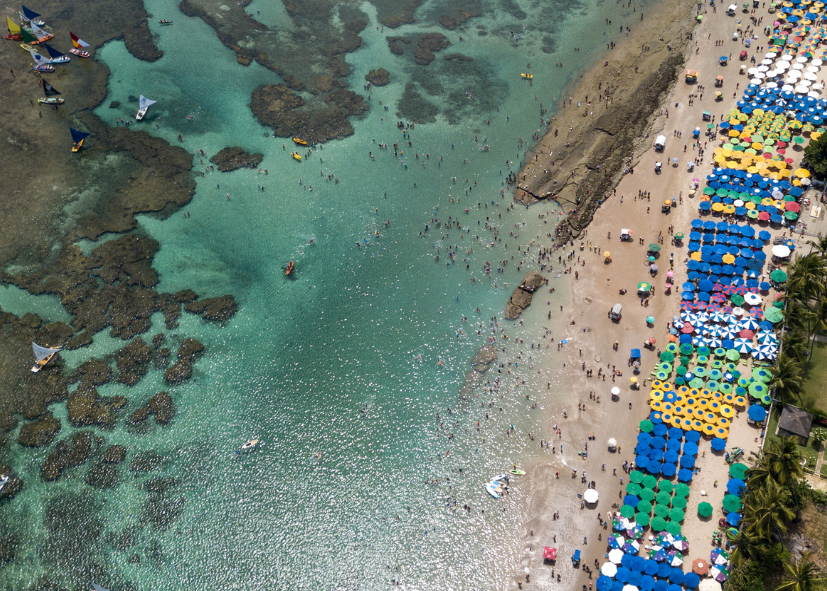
(609, 569)
(685, 474)
(735, 486)
(633, 488)
(604, 583)
(679, 503)
(756, 413)
(661, 511)
(733, 519)
(673, 528)
(665, 486)
(647, 494)
(705, 509)
(650, 481)
(646, 426)
(627, 511)
(732, 504)
(738, 470)
(642, 519)
(718, 444)
(616, 556)
(663, 498)
(676, 515)
(658, 524)
(631, 500)
(636, 476)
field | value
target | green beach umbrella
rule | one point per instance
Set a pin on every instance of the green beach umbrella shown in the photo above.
(647, 494)
(732, 504)
(778, 275)
(780, 304)
(712, 386)
(672, 348)
(679, 502)
(650, 481)
(705, 510)
(650, 320)
(791, 215)
(703, 359)
(744, 382)
(665, 486)
(725, 388)
(636, 476)
(662, 376)
(643, 286)
(766, 399)
(738, 470)
(663, 498)
(709, 191)
(679, 236)
(684, 359)
(633, 488)
(658, 524)
(654, 248)
(642, 519)
(773, 315)
(676, 515)
(687, 349)
(667, 356)
(736, 299)
(681, 490)
(699, 371)
(759, 374)
(673, 528)
(733, 355)
(682, 369)
(703, 351)
(696, 383)
(715, 374)
(661, 510)
(758, 390)
(646, 426)
(644, 507)
(717, 364)
(720, 352)
(627, 511)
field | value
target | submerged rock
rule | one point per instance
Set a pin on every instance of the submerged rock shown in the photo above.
(378, 77)
(178, 372)
(190, 349)
(233, 157)
(86, 408)
(13, 486)
(219, 309)
(146, 462)
(133, 362)
(39, 433)
(162, 407)
(115, 454)
(103, 476)
(69, 453)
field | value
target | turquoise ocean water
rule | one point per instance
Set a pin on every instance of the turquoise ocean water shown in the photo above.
(342, 371)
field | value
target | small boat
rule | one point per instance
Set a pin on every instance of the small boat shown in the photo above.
(518, 472)
(497, 479)
(289, 268)
(249, 445)
(27, 37)
(491, 488)
(43, 355)
(143, 104)
(3, 480)
(77, 138)
(78, 43)
(32, 17)
(164, 21)
(296, 155)
(300, 141)
(528, 76)
(40, 33)
(51, 97)
(14, 30)
(55, 56)
(45, 69)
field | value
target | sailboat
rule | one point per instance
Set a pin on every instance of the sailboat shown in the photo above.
(40, 33)
(32, 16)
(51, 97)
(27, 37)
(77, 42)
(55, 56)
(41, 64)
(3, 480)
(14, 30)
(43, 356)
(143, 105)
(77, 138)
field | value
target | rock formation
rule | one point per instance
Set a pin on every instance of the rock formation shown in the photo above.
(521, 297)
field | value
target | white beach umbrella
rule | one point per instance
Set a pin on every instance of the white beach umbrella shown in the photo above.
(763, 68)
(608, 569)
(814, 94)
(816, 62)
(738, 202)
(738, 311)
(798, 66)
(743, 345)
(807, 83)
(780, 250)
(771, 55)
(810, 76)
(794, 74)
(616, 555)
(801, 90)
(789, 80)
(615, 391)
(749, 323)
(802, 59)
(613, 441)
(757, 79)
(787, 87)
(752, 71)
(630, 588)
(702, 317)
(714, 342)
(590, 496)
(699, 341)
(787, 58)
(709, 585)
(717, 317)
(813, 69)
(782, 66)
(753, 299)
(766, 62)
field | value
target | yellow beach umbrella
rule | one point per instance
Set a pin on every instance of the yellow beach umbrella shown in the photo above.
(717, 207)
(702, 404)
(697, 426)
(721, 433)
(678, 410)
(711, 417)
(656, 395)
(695, 256)
(666, 417)
(657, 405)
(727, 411)
(686, 424)
(667, 407)
(694, 393)
(740, 401)
(802, 173)
(724, 422)
(657, 385)
(666, 386)
(708, 429)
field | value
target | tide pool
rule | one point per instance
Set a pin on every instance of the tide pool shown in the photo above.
(371, 467)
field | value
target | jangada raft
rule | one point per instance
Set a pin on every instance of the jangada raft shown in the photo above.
(55, 57)
(143, 104)
(51, 97)
(42, 355)
(77, 138)
(41, 64)
(14, 30)
(78, 43)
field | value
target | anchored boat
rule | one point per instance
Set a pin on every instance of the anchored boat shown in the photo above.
(289, 268)
(32, 16)
(14, 30)
(51, 97)
(39, 33)
(296, 155)
(300, 141)
(78, 43)
(55, 56)
(143, 105)
(3, 480)
(43, 355)
(528, 76)
(41, 64)
(77, 138)
(164, 21)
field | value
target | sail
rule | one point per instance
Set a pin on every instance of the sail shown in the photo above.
(14, 28)
(77, 41)
(39, 60)
(22, 16)
(40, 33)
(30, 14)
(145, 102)
(78, 136)
(49, 90)
(27, 36)
(43, 352)
(53, 53)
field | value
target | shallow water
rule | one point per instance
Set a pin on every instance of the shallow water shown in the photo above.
(349, 362)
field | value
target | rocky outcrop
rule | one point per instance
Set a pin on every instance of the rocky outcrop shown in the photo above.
(233, 158)
(428, 44)
(521, 297)
(378, 77)
(133, 362)
(218, 309)
(178, 372)
(39, 433)
(162, 407)
(114, 454)
(103, 476)
(146, 462)
(85, 408)
(94, 372)
(13, 486)
(68, 453)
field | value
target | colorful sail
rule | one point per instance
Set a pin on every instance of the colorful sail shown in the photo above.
(49, 90)
(29, 14)
(54, 53)
(78, 136)
(40, 33)
(27, 37)
(77, 41)
(14, 28)
(39, 60)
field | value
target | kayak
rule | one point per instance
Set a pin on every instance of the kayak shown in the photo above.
(518, 472)
(492, 490)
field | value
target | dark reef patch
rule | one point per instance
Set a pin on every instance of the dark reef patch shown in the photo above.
(233, 158)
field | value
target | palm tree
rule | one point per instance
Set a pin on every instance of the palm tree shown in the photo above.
(787, 378)
(806, 276)
(783, 458)
(769, 513)
(796, 343)
(803, 575)
(757, 476)
(820, 245)
(748, 546)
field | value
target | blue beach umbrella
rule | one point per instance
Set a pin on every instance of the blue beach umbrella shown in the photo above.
(673, 445)
(690, 448)
(693, 436)
(676, 576)
(604, 583)
(634, 578)
(651, 568)
(735, 486)
(691, 580)
(631, 500)
(687, 461)
(647, 583)
(733, 519)
(718, 444)
(668, 470)
(622, 574)
(664, 569)
(684, 475)
(757, 413)
(644, 437)
(675, 433)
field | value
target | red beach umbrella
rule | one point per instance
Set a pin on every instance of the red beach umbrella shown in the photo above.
(550, 553)
(781, 151)
(763, 216)
(700, 566)
(687, 329)
(767, 156)
(792, 206)
(788, 160)
(781, 144)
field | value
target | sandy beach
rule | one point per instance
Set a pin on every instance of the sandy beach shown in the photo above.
(595, 286)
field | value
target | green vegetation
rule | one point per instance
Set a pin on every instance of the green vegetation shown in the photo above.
(816, 155)
(814, 387)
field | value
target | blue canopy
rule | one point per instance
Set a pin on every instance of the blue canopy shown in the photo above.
(651, 567)
(735, 486)
(637, 563)
(668, 469)
(654, 467)
(691, 580)
(676, 576)
(693, 436)
(631, 500)
(656, 455)
(643, 437)
(642, 449)
(635, 354)
(673, 445)
(642, 462)
(657, 442)
(622, 574)
(685, 474)
(698, 223)
(690, 448)
(733, 519)
(670, 457)
(604, 583)
(687, 461)
(660, 430)
(663, 570)
(709, 226)
(675, 433)
(688, 286)
(634, 577)
(647, 583)
(718, 444)
(757, 413)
